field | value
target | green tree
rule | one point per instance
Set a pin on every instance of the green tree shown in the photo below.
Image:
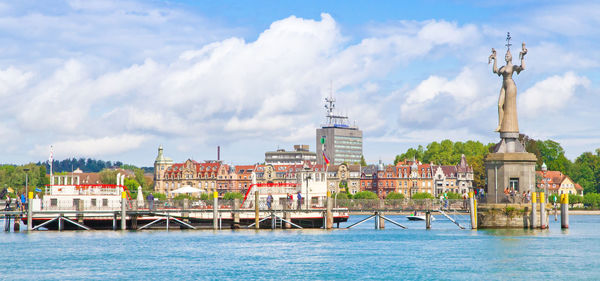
(363, 163)
(365, 195)
(476, 162)
(394, 195)
(108, 176)
(342, 195)
(233, 195)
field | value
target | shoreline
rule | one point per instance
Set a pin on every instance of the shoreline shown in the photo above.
(406, 213)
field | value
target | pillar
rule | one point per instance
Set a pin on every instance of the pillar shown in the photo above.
(472, 210)
(533, 209)
(564, 211)
(428, 220)
(381, 207)
(215, 210)
(256, 214)
(29, 211)
(236, 215)
(329, 213)
(123, 210)
(542, 211)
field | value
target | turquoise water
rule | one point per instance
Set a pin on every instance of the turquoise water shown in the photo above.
(443, 253)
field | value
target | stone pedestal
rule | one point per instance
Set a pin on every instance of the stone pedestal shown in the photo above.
(509, 169)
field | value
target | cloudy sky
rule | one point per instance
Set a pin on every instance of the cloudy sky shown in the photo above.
(114, 79)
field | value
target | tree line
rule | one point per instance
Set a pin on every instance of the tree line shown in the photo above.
(88, 165)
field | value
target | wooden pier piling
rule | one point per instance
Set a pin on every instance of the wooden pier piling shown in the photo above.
(533, 210)
(542, 211)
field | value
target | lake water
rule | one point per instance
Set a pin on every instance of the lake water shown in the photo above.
(445, 252)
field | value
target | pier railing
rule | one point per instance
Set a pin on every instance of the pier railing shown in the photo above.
(357, 205)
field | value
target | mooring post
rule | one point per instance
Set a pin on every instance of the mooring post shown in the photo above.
(555, 211)
(381, 208)
(115, 221)
(215, 210)
(29, 212)
(542, 211)
(329, 213)
(533, 210)
(376, 220)
(16, 223)
(428, 220)
(123, 210)
(236, 215)
(564, 211)
(168, 220)
(256, 209)
(60, 222)
(472, 210)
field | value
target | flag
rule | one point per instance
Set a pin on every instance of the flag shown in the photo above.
(325, 158)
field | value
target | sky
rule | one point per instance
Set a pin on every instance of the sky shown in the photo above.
(113, 80)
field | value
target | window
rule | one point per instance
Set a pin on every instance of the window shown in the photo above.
(105, 202)
(94, 202)
(53, 202)
(514, 183)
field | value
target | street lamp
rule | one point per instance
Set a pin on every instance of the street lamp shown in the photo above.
(26, 185)
(308, 177)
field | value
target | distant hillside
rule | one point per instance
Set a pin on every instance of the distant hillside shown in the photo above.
(88, 165)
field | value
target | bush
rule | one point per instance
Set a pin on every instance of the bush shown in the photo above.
(233, 195)
(590, 200)
(394, 195)
(184, 196)
(159, 196)
(365, 195)
(206, 196)
(575, 199)
(453, 195)
(342, 195)
(422, 195)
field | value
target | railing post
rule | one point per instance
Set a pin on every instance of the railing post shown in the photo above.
(215, 210)
(542, 211)
(256, 209)
(564, 211)
(29, 212)
(534, 210)
(329, 213)
(123, 210)
(428, 220)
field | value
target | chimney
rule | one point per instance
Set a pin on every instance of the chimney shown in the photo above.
(218, 153)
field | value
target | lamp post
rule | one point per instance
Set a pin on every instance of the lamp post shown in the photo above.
(26, 184)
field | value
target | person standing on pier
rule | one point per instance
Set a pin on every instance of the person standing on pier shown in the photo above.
(269, 200)
(299, 197)
(150, 199)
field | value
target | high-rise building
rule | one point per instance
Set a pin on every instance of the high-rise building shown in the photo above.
(337, 141)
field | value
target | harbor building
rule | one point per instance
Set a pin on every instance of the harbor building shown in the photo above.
(556, 182)
(337, 141)
(298, 156)
(453, 178)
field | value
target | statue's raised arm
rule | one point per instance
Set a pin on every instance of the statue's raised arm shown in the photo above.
(493, 58)
(522, 57)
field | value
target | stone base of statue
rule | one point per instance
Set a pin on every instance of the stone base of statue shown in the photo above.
(510, 166)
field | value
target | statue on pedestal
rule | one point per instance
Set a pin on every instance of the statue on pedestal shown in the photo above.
(507, 103)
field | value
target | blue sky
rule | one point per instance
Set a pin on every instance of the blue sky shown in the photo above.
(114, 79)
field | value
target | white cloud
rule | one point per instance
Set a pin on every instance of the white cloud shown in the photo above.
(551, 94)
(91, 147)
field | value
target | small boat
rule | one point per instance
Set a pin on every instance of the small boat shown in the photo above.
(418, 218)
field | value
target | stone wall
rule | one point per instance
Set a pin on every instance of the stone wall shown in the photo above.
(508, 216)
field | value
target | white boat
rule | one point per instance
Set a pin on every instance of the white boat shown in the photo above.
(418, 218)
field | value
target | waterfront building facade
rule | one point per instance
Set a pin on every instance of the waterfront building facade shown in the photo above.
(556, 182)
(453, 178)
(299, 155)
(344, 178)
